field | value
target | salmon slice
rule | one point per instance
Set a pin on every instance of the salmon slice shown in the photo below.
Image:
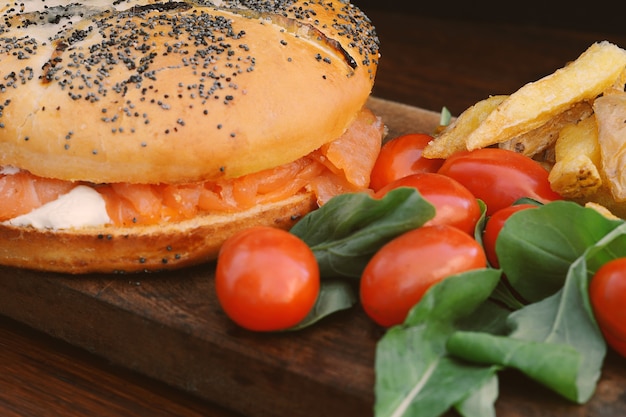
(180, 200)
(350, 158)
(22, 192)
(355, 152)
(340, 167)
(121, 210)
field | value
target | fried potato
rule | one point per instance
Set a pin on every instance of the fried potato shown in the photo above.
(618, 85)
(603, 198)
(610, 113)
(538, 140)
(452, 138)
(597, 69)
(576, 173)
(602, 210)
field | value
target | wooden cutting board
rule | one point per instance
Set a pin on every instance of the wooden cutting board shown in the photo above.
(169, 326)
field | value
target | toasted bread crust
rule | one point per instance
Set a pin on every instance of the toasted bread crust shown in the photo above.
(140, 248)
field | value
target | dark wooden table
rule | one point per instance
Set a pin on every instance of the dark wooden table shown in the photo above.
(426, 62)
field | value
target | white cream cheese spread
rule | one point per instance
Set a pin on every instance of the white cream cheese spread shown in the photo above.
(81, 207)
(8, 170)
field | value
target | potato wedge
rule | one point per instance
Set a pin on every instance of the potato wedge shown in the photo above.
(594, 71)
(610, 113)
(576, 173)
(618, 85)
(603, 197)
(602, 210)
(538, 140)
(452, 138)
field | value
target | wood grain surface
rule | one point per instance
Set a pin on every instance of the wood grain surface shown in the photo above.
(158, 345)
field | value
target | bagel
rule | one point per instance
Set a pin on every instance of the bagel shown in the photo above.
(170, 100)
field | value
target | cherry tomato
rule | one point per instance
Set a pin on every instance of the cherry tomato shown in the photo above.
(266, 279)
(499, 177)
(607, 292)
(402, 156)
(454, 204)
(494, 225)
(399, 274)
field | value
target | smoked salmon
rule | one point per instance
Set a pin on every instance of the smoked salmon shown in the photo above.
(339, 167)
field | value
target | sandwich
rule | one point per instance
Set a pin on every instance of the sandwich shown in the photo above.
(138, 135)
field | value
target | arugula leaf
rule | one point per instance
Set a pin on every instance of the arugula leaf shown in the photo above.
(481, 401)
(414, 373)
(556, 366)
(536, 247)
(480, 224)
(610, 247)
(335, 295)
(555, 341)
(348, 230)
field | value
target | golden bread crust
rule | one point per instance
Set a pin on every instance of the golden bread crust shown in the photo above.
(140, 248)
(176, 92)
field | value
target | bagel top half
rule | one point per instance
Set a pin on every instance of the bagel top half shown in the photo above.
(145, 91)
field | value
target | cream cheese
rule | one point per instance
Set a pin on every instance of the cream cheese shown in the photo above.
(8, 170)
(81, 207)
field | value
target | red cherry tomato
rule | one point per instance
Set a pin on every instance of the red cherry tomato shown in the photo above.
(454, 204)
(499, 177)
(607, 292)
(266, 279)
(400, 157)
(399, 274)
(494, 225)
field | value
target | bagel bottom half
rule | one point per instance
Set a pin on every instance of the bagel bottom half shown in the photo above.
(141, 248)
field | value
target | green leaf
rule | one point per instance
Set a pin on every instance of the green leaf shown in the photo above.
(566, 319)
(556, 366)
(555, 341)
(348, 230)
(480, 224)
(611, 246)
(446, 117)
(480, 402)
(490, 317)
(335, 295)
(536, 247)
(414, 374)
